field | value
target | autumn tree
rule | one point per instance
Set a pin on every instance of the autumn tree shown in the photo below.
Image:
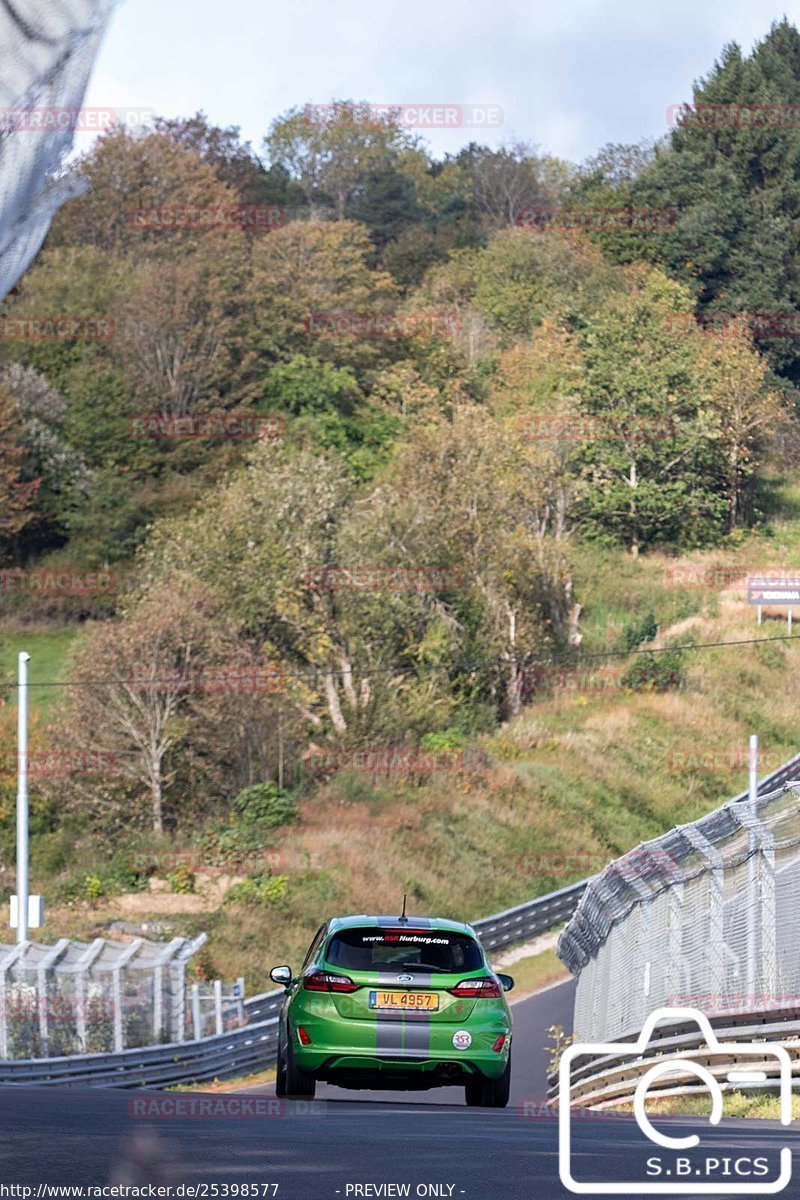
(336, 152)
(137, 182)
(136, 702)
(508, 180)
(17, 492)
(179, 332)
(651, 463)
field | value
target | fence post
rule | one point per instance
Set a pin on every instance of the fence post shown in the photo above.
(218, 1005)
(197, 1017)
(180, 986)
(94, 951)
(716, 910)
(752, 882)
(3, 1013)
(45, 965)
(241, 1015)
(762, 901)
(121, 962)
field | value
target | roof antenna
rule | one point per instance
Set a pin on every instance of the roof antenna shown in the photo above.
(403, 917)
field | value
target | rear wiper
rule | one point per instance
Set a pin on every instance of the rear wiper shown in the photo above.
(421, 967)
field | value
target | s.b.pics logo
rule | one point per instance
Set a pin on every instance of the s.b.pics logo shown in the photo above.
(674, 1159)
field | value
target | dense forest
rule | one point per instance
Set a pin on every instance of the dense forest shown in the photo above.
(291, 373)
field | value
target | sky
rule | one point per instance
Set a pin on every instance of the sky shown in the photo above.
(567, 75)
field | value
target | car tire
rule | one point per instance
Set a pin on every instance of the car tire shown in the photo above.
(296, 1084)
(280, 1078)
(489, 1093)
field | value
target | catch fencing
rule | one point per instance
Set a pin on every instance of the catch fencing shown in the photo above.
(76, 998)
(254, 1046)
(702, 917)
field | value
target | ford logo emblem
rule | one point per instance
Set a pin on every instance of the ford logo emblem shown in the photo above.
(404, 978)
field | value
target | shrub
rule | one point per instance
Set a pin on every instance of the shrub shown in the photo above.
(445, 739)
(640, 631)
(261, 890)
(353, 787)
(267, 804)
(181, 881)
(93, 887)
(662, 672)
(203, 966)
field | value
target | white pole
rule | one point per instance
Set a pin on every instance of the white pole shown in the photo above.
(197, 1018)
(752, 899)
(218, 1005)
(22, 798)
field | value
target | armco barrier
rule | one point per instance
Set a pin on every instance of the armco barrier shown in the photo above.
(612, 1080)
(253, 1047)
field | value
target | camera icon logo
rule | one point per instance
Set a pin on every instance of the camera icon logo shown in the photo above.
(677, 1171)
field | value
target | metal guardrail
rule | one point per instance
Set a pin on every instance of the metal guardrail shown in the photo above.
(251, 1048)
(254, 1046)
(529, 919)
(612, 1080)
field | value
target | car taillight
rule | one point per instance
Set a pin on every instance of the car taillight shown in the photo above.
(304, 1036)
(326, 981)
(477, 987)
(501, 1041)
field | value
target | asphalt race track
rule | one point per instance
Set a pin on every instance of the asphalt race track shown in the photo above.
(335, 1147)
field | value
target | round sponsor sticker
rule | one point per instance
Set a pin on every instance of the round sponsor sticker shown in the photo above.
(462, 1040)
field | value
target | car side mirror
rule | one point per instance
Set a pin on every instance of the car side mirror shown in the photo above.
(281, 975)
(507, 982)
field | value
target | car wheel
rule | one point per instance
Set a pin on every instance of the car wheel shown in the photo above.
(296, 1083)
(489, 1093)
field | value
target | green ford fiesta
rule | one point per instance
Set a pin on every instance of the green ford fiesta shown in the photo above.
(395, 1002)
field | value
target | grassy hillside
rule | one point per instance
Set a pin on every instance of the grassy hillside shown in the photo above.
(581, 775)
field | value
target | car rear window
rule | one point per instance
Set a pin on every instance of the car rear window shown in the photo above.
(373, 949)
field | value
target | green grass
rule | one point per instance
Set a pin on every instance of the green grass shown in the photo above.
(735, 1104)
(534, 972)
(49, 650)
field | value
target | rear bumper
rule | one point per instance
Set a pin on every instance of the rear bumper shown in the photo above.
(421, 1051)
